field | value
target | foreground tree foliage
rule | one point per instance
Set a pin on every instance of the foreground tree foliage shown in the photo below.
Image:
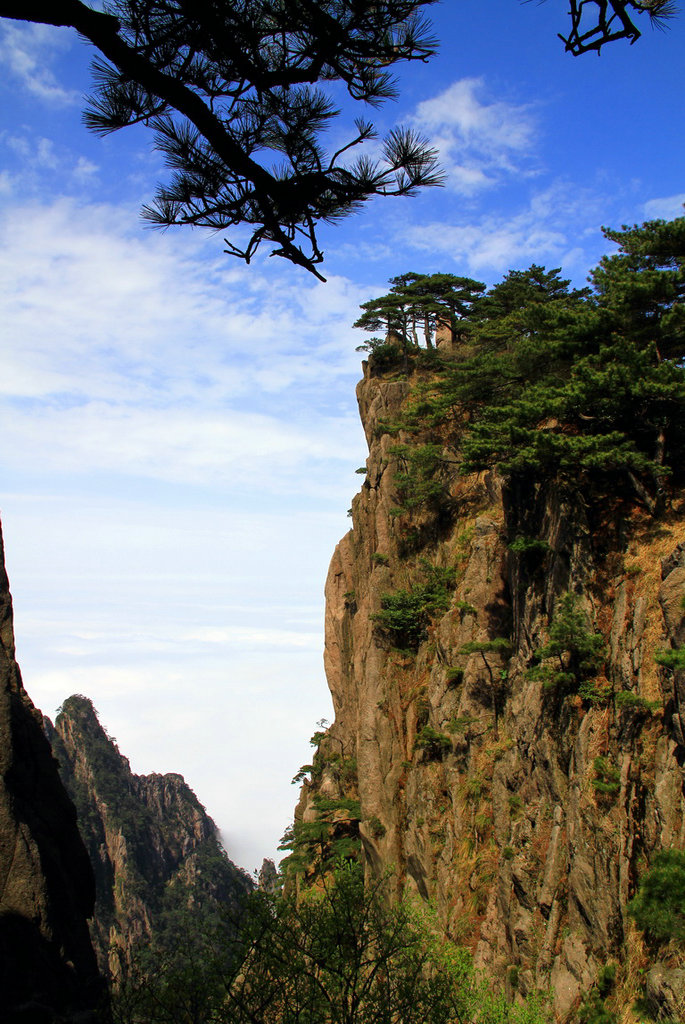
(588, 386)
(229, 91)
(594, 23)
(338, 954)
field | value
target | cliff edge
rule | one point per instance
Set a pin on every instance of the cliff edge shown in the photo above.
(47, 964)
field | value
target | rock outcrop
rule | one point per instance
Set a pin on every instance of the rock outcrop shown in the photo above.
(525, 813)
(154, 849)
(47, 965)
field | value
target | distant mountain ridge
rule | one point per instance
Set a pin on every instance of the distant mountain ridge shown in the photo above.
(154, 849)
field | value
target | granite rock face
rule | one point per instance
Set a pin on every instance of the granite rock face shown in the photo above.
(47, 965)
(155, 851)
(526, 815)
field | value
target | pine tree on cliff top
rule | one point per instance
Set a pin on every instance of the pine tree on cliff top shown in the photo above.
(561, 382)
(641, 288)
(428, 301)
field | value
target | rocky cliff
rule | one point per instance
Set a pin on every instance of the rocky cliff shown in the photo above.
(47, 965)
(155, 851)
(524, 810)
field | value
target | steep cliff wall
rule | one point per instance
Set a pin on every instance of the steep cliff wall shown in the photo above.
(525, 813)
(154, 849)
(47, 965)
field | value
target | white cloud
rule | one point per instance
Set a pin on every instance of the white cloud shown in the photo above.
(38, 152)
(218, 449)
(194, 625)
(479, 138)
(51, 688)
(40, 162)
(154, 357)
(85, 170)
(258, 639)
(546, 230)
(187, 643)
(665, 208)
(97, 308)
(493, 243)
(177, 432)
(26, 51)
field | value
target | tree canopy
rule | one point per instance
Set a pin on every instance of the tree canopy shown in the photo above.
(336, 954)
(429, 302)
(229, 91)
(549, 381)
(587, 382)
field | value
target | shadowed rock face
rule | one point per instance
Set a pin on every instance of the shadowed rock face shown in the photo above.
(47, 964)
(495, 814)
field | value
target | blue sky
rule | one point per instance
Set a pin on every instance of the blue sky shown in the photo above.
(180, 431)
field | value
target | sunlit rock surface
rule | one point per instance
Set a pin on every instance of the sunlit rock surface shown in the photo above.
(501, 823)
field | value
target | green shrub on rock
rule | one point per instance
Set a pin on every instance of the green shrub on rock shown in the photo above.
(574, 650)
(659, 906)
(405, 614)
(607, 780)
(434, 744)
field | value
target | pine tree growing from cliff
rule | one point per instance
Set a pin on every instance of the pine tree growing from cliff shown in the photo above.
(659, 906)
(574, 651)
(489, 651)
